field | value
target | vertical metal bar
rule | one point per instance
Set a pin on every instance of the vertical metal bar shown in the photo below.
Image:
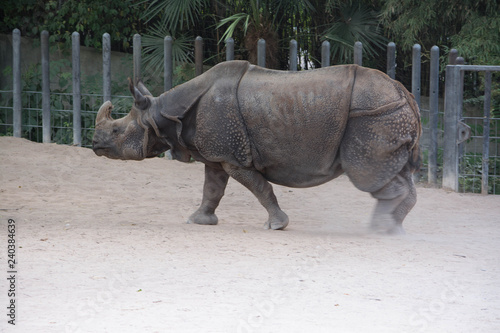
(16, 77)
(293, 55)
(168, 72)
(358, 53)
(168, 63)
(261, 53)
(325, 54)
(77, 111)
(416, 73)
(198, 55)
(106, 67)
(137, 58)
(229, 49)
(461, 146)
(486, 132)
(452, 57)
(391, 60)
(433, 115)
(452, 110)
(46, 128)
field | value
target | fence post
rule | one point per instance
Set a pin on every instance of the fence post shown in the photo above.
(137, 58)
(452, 112)
(46, 129)
(325, 54)
(293, 55)
(416, 73)
(198, 55)
(358, 53)
(486, 132)
(229, 49)
(461, 146)
(16, 77)
(106, 67)
(433, 115)
(452, 57)
(261, 53)
(168, 64)
(77, 111)
(391, 60)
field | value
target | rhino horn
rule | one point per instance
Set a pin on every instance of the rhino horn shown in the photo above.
(141, 102)
(104, 112)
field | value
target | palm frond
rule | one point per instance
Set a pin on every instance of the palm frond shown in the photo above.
(356, 24)
(234, 21)
(153, 47)
(175, 14)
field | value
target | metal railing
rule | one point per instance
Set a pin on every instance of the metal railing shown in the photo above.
(458, 141)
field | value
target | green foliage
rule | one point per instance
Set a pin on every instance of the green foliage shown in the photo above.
(153, 44)
(471, 168)
(479, 39)
(470, 26)
(91, 18)
(183, 73)
(234, 21)
(174, 15)
(355, 23)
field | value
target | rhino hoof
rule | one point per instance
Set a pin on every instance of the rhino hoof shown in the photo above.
(397, 230)
(205, 219)
(278, 222)
(385, 224)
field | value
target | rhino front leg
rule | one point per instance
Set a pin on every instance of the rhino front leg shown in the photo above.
(261, 188)
(395, 200)
(213, 190)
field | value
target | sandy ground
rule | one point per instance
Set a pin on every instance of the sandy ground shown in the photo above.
(103, 247)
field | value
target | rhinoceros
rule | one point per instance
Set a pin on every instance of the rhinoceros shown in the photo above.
(261, 126)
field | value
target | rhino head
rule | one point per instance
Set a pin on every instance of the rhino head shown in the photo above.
(133, 137)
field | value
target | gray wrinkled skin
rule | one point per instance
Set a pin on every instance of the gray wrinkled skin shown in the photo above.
(297, 129)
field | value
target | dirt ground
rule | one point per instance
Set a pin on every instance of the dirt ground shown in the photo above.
(102, 246)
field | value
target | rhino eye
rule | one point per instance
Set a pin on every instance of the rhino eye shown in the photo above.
(115, 130)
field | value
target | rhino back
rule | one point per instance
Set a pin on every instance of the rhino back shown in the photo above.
(295, 122)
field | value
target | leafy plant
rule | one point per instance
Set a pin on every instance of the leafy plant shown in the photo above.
(153, 48)
(355, 23)
(174, 15)
(91, 18)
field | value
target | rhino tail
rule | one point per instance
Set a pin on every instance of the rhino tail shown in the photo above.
(415, 158)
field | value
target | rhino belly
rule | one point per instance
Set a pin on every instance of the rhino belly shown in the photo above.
(295, 122)
(295, 143)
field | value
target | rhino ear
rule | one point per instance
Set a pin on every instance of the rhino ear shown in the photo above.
(142, 88)
(140, 101)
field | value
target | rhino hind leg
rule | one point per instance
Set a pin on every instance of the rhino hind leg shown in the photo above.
(394, 202)
(213, 190)
(260, 187)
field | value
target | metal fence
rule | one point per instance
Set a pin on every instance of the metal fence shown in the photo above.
(69, 118)
(61, 115)
(471, 161)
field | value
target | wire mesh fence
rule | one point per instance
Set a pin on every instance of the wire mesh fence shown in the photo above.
(471, 157)
(61, 115)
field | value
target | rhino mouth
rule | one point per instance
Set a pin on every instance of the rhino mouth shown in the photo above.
(99, 151)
